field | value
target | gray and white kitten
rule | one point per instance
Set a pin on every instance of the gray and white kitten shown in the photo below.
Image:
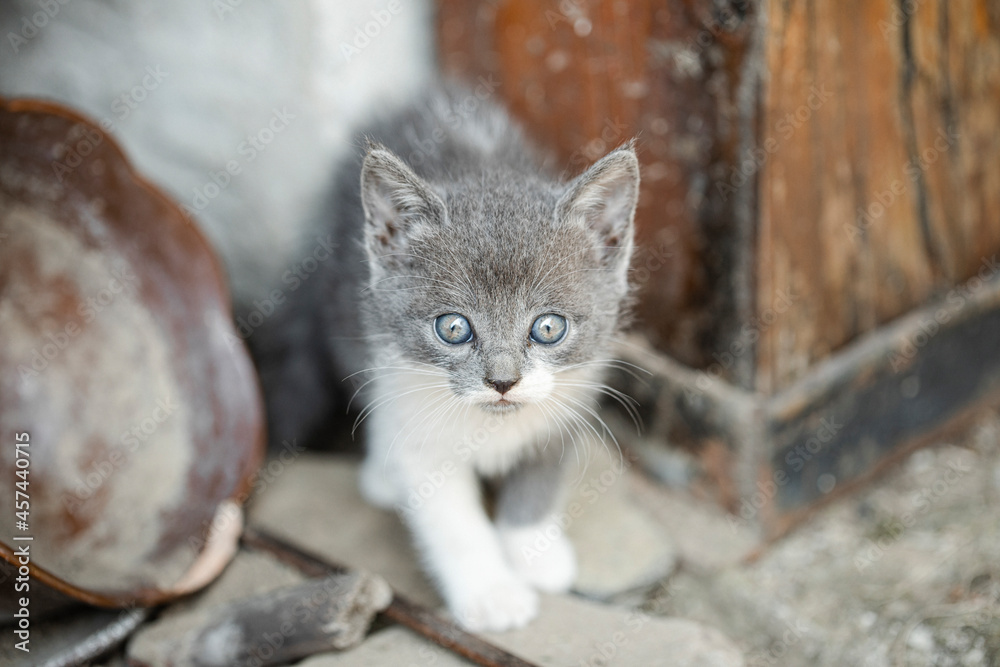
(472, 299)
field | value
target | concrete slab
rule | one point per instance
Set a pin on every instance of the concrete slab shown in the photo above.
(706, 538)
(314, 503)
(621, 549)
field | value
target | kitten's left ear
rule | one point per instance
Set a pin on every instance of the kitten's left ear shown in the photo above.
(604, 197)
(396, 202)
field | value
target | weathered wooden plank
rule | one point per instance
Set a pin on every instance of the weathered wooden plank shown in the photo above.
(882, 396)
(955, 97)
(829, 95)
(885, 191)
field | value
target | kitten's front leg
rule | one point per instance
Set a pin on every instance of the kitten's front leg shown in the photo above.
(461, 551)
(530, 534)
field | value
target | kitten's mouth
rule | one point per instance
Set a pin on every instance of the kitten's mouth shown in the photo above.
(501, 405)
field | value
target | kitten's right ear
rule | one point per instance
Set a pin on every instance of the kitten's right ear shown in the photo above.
(395, 200)
(603, 199)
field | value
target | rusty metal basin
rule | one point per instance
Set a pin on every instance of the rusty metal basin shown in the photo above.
(127, 402)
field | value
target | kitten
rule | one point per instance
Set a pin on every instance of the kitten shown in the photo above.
(472, 300)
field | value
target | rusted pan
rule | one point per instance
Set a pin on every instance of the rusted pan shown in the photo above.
(127, 403)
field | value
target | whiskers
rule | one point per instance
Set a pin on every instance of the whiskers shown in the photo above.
(603, 364)
(582, 427)
(629, 404)
(437, 408)
(426, 417)
(436, 379)
(577, 405)
(430, 385)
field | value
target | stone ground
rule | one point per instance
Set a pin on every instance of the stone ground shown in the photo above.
(904, 573)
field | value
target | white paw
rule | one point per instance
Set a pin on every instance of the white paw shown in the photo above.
(375, 486)
(504, 605)
(540, 555)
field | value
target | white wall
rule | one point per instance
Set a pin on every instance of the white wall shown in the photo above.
(182, 84)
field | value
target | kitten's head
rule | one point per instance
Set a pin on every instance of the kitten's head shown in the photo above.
(506, 284)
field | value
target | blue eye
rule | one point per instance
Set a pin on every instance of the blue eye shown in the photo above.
(453, 329)
(548, 329)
